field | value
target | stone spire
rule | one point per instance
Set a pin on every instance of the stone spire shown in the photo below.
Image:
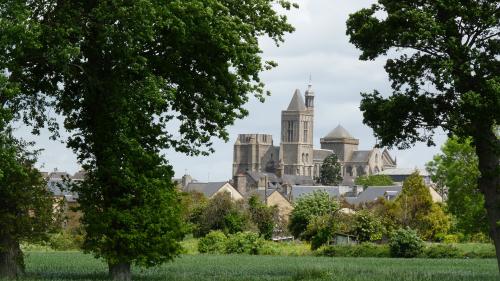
(297, 102)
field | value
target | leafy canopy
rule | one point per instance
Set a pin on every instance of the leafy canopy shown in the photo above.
(309, 206)
(374, 180)
(330, 172)
(455, 170)
(446, 74)
(123, 74)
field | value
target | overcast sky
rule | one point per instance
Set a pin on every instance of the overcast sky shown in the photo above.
(318, 47)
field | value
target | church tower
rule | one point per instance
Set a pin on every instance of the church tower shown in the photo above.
(296, 150)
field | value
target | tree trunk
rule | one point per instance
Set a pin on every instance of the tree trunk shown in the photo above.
(11, 258)
(120, 271)
(487, 148)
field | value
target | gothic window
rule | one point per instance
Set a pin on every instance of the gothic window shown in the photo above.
(305, 130)
(360, 171)
(307, 157)
(290, 131)
(349, 170)
(303, 158)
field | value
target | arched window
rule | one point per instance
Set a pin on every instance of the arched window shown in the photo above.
(349, 170)
(307, 157)
(360, 171)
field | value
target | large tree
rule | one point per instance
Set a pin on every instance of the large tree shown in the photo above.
(124, 74)
(455, 169)
(446, 75)
(26, 213)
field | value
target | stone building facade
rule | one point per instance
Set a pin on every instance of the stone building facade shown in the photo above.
(256, 154)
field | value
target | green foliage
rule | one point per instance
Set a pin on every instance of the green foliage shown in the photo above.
(443, 65)
(26, 213)
(120, 72)
(367, 227)
(244, 243)
(330, 171)
(417, 210)
(405, 243)
(374, 180)
(64, 241)
(439, 251)
(456, 169)
(213, 243)
(312, 205)
(222, 213)
(359, 250)
(263, 216)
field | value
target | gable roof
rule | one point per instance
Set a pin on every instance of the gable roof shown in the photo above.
(372, 193)
(58, 175)
(360, 156)
(321, 154)
(297, 180)
(403, 172)
(207, 188)
(339, 133)
(256, 176)
(297, 102)
(301, 190)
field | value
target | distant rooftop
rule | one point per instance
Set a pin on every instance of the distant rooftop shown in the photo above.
(339, 133)
(403, 171)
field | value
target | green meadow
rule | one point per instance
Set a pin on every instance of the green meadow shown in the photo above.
(42, 266)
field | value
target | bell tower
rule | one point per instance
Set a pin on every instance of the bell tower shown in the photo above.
(296, 150)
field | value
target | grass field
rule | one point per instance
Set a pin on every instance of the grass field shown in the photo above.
(77, 266)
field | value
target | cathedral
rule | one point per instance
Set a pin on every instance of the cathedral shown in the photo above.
(257, 159)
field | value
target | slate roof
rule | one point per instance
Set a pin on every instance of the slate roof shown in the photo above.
(403, 172)
(339, 133)
(297, 102)
(321, 154)
(360, 156)
(80, 175)
(297, 180)
(334, 191)
(58, 175)
(372, 193)
(207, 188)
(59, 188)
(256, 176)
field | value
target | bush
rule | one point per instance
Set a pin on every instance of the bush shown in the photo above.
(451, 238)
(213, 243)
(361, 250)
(244, 243)
(439, 251)
(405, 243)
(64, 241)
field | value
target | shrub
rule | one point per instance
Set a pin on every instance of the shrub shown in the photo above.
(439, 251)
(214, 243)
(64, 241)
(367, 227)
(307, 207)
(405, 243)
(451, 238)
(244, 243)
(361, 250)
